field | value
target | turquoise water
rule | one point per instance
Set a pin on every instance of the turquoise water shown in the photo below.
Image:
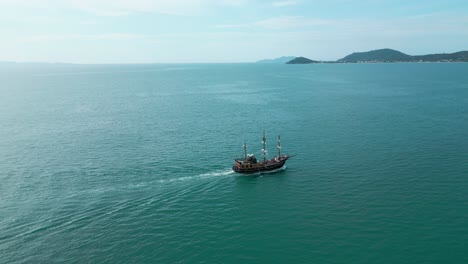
(131, 163)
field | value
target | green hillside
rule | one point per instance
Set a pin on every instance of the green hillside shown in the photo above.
(380, 55)
(301, 60)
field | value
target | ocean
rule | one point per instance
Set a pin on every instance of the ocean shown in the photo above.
(132, 163)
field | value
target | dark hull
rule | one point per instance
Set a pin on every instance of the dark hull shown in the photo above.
(264, 168)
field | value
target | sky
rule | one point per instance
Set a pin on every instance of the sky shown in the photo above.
(212, 31)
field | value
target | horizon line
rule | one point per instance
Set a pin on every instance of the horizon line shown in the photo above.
(239, 62)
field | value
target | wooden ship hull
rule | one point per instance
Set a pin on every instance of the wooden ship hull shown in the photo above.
(249, 163)
(269, 165)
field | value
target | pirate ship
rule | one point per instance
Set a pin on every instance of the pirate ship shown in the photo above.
(249, 164)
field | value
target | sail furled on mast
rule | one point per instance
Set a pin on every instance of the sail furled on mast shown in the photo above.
(279, 146)
(245, 150)
(264, 150)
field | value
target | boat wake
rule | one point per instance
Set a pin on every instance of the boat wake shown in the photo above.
(273, 171)
(218, 173)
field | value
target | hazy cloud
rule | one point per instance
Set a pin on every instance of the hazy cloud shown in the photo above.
(74, 30)
(281, 23)
(284, 3)
(125, 7)
(108, 36)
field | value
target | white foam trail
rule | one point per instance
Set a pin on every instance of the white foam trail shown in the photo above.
(273, 171)
(207, 175)
(217, 173)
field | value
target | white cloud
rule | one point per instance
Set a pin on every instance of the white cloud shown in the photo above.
(88, 22)
(233, 25)
(284, 3)
(252, 38)
(124, 7)
(281, 22)
(406, 26)
(286, 22)
(232, 2)
(107, 36)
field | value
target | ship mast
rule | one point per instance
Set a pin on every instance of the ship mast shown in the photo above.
(264, 151)
(279, 146)
(245, 150)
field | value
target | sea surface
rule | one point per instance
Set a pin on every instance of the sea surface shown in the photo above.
(132, 163)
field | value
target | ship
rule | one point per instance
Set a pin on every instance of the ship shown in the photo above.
(249, 164)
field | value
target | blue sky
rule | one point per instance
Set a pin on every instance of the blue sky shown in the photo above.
(166, 31)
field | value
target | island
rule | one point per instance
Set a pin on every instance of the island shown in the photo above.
(301, 60)
(389, 55)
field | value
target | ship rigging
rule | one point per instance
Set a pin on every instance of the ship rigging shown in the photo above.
(249, 164)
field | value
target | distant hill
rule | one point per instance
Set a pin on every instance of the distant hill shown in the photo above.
(283, 59)
(390, 55)
(381, 55)
(301, 60)
(461, 56)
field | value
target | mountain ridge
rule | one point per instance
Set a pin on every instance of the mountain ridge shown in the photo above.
(390, 55)
(387, 55)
